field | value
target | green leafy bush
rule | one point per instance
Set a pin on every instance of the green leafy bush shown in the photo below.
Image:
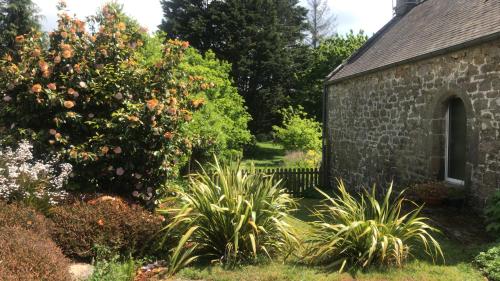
(353, 233)
(298, 132)
(81, 228)
(489, 263)
(114, 270)
(233, 217)
(220, 126)
(26, 255)
(15, 215)
(85, 96)
(492, 212)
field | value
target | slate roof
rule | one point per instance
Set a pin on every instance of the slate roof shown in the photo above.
(430, 28)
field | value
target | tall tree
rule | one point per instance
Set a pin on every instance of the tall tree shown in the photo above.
(17, 17)
(321, 21)
(321, 61)
(260, 38)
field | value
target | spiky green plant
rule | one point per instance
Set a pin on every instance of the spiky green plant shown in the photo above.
(239, 215)
(358, 232)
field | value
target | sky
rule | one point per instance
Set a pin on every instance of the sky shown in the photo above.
(367, 15)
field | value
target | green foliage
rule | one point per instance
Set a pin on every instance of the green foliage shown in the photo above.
(492, 212)
(17, 17)
(114, 270)
(356, 233)
(105, 222)
(220, 126)
(321, 61)
(234, 216)
(259, 38)
(489, 263)
(298, 132)
(26, 255)
(86, 97)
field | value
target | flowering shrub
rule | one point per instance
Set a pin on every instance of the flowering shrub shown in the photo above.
(22, 178)
(108, 222)
(84, 95)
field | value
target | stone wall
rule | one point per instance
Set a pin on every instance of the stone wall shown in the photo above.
(390, 125)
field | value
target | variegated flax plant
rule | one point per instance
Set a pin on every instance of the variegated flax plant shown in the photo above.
(356, 232)
(234, 216)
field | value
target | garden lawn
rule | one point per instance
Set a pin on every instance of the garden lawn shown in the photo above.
(458, 264)
(265, 155)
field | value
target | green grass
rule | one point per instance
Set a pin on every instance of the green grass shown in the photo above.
(418, 271)
(458, 266)
(265, 155)
(114, 270)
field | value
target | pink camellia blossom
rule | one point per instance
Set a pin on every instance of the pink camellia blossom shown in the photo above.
(118, 96)
(52, 86)
(7, 98)
(83, 85)
(117, 150)
(53, 132)
(135, 193)
(138, 176)
(120, 171)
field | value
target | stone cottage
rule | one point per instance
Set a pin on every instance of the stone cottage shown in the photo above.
(420, 100)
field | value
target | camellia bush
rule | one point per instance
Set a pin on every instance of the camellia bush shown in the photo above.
(83, 94)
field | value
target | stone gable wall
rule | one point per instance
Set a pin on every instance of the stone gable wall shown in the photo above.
(389, 125)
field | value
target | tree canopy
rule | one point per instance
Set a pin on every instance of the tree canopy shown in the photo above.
(330, 53)
(260, 38)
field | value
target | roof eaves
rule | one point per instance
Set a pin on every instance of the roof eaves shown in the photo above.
(365, 46)
(457, 47)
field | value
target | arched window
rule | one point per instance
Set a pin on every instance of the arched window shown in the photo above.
(456, 138)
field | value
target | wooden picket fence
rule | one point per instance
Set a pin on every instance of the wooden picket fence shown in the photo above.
(295, 181)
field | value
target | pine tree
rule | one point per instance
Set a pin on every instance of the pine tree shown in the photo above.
(17, 17)
(260, 38)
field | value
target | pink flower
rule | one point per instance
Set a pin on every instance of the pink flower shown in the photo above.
(120, 171)
(7, 98)
(135, 193)
(83, 85)
(117, 150)
(118, 96)
(53, 132)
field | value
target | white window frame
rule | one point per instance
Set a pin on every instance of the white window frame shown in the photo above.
(447, 156)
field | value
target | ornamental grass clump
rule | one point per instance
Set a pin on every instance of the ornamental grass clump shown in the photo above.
(232, 216)
(354, 233)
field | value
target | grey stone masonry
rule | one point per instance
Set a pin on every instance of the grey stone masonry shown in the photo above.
(390, 125)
